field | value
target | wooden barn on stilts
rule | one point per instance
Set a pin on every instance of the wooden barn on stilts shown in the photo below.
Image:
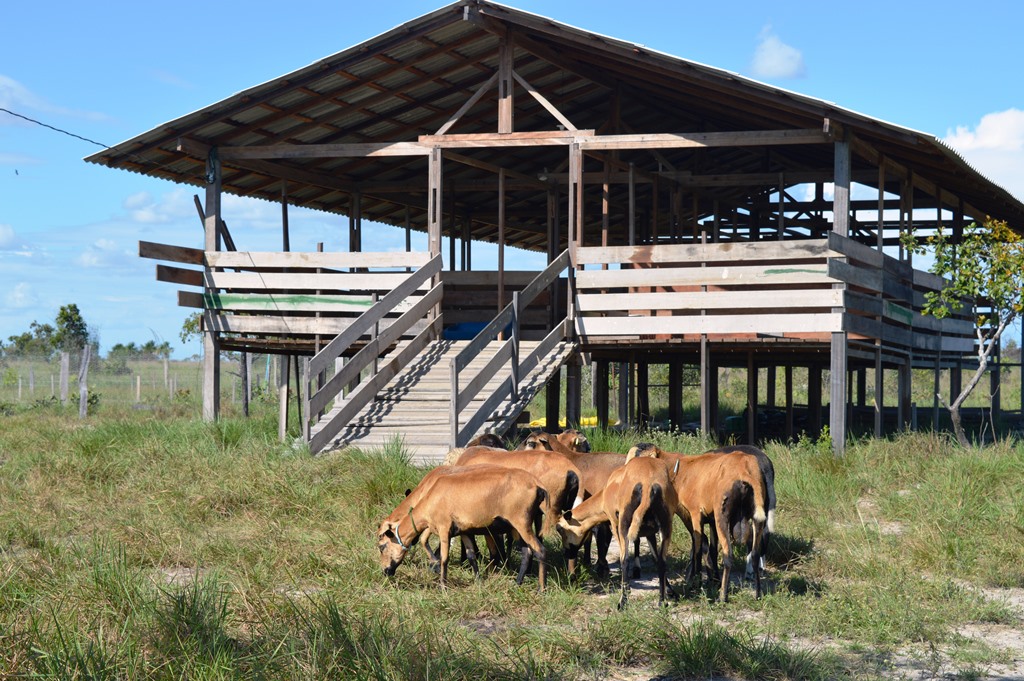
(690, 216)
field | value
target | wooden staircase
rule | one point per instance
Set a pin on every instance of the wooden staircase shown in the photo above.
(415, 406)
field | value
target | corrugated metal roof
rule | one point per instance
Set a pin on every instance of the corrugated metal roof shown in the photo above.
(408, 82)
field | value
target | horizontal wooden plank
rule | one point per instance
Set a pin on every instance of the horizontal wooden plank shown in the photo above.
(282, 326)
(487, 278)
(154, 251)
(690, 140)
(298, 281)
(309, 260)
(718, 276)
(190, 299)
(179, 275)
(697, 324)
(710, 300)
(336, 150)
(294, 302)
(872, 280)
(729, 251)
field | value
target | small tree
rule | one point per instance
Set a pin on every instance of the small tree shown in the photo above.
(985, 270)
(72, 331)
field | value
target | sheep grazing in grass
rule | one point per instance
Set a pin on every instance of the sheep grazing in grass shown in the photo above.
(464, 501)
(639, 500)
(713, 487)
(595, 467)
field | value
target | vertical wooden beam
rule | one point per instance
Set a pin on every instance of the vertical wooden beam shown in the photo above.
(751, 399)
(435, 177)
(501, 239)
(574, 225)
(623, 410)
(936, 387)
(814, 399)
(601, 392)
(880, 237)
(675, 393)
(879, 394)
(632, 206)
(553, 399)
(789, 403)
(769, 387)
(282, 394)
(505, 84)
(706, 379)
(573, 392)
(840, 225)
(903, 389)
(211, 344)
(643, 394)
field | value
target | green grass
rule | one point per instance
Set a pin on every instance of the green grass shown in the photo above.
(145, 545)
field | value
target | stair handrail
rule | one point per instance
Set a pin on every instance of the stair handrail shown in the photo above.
(316, 399)
(507, 318)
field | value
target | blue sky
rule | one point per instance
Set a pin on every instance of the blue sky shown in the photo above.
(108, 71)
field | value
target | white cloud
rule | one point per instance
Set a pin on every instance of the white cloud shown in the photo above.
(775, 59)
(995, 147)
(15, 96)
(104, 253)
(8, 239)
(144, 208)
(21, 296)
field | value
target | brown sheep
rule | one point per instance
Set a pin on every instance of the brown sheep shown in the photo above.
(595, 467)
(706, 486)
(639, 499)
(471, 499)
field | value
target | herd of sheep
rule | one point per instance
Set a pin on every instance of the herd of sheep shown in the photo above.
(554, 483)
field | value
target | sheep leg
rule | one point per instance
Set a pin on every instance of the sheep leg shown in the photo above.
(443, 550)
(711, 559)
(620, 538)
(693, 572)
(725, 543)
(469, 548)
(660, 557)
(636, 558)
(603, 538)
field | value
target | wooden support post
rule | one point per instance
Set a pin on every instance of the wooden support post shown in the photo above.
(623, 410)
(837, 397)
(601, 395)
(211, 344)
(282, 395)
(434, 186)
(840, 225)
(501, 240)
(553, 399)
(862, 386)
(506, 108)
(904, 395)
(675, 393)
(573, 393)
(751, 399)
(643, 394)
(769, 399)
(936, 387)
(879, 393)
(790, 434)
(707, 377)
(814, 399)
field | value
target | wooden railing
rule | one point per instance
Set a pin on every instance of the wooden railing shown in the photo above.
(798, 289)
(376, 343)
(508, 354)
